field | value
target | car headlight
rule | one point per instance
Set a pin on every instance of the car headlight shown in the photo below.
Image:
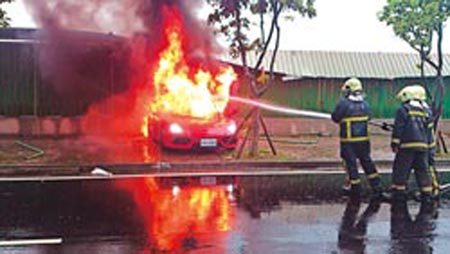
(232, 128)
(175, 128)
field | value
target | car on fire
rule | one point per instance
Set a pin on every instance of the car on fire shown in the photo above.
(190, 133)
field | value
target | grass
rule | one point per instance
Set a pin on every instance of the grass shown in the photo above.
(442, 155)
(265, 154)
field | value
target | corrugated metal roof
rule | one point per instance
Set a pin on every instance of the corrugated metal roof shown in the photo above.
(339, 64)
(32, 35)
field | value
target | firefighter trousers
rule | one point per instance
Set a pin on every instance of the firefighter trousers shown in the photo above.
(353, 151)
(405, 160)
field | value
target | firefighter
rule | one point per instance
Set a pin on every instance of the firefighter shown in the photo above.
(410, 145)
(353, 113)
(419, 93)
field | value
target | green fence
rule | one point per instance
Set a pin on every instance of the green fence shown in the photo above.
(323, 94)
(16, 79)
(48, 79)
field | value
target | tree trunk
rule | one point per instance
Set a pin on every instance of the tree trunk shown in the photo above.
(255, 133)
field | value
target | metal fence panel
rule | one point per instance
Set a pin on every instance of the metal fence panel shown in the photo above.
(323, 94)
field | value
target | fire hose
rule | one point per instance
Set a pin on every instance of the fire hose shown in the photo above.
(37, 151)
(445, 188)
(307, 113)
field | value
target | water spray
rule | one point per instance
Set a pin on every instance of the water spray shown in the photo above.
(291, 111)
(280, 109)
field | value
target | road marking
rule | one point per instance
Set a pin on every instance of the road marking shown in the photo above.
(261, 172)
(22, 242)
(205, 172)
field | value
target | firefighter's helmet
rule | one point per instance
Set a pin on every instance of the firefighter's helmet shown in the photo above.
(418, 92)
(352, 85)
(406, 94)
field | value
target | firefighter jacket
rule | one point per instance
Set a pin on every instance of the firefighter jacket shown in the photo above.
(430, 127)
(352, 113)
(411, 127)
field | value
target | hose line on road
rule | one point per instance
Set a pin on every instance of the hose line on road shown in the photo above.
(37, 151)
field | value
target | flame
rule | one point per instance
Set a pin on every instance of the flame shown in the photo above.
(144, 129)
(170, 71)
(183, 88)
(170, 219)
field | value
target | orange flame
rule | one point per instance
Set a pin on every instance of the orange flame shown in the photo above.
(183, 89)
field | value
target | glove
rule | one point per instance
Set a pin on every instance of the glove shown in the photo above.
(395, 147)
(386, 126)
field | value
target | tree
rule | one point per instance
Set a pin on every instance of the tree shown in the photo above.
(232, 18)
(4, 20)
(417, 22)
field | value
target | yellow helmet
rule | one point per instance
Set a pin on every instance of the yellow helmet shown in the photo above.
(352, 85)
(418, 92)
(406, 94)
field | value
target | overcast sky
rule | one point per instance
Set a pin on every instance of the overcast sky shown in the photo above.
(345, 25)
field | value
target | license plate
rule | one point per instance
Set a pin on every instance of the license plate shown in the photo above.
(208, 180)
(208, 142)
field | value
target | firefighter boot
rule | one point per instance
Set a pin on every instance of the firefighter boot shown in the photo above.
(399, 196)
(379, 195)
(426, 198)
(345, 189)
(355, 191)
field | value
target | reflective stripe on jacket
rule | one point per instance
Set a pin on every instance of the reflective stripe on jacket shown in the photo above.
(353, 117)
(431, 136)
(411, 127)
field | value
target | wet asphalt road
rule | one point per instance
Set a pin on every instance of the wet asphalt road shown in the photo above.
(152, 216)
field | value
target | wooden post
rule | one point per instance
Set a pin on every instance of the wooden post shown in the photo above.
(266, 133)
(255, 133)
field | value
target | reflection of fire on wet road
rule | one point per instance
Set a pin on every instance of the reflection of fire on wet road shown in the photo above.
(174, 216)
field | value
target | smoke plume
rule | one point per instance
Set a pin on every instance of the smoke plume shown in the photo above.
(99, 54)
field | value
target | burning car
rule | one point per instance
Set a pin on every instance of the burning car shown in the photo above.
(190, 95)
(189, 133)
